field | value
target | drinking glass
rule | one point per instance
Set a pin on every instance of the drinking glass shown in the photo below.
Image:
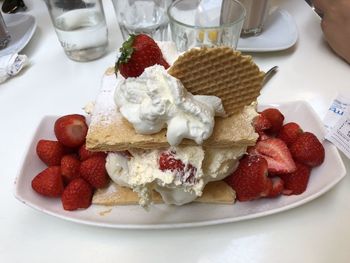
(205, 23)
(4, 34)
(143, 16)
(256, 13)
(81, 27)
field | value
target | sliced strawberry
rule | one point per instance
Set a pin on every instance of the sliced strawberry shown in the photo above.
(77, 194)
(168, 162)
(70, 166)
(307, 149)
(289, 132)
(277, 187)
(275, 117)
(261, 123)
(277, 155)
(71, 130)
(250, 179)
(296, 183)
(93, 170)
(85, 154)
(49, 182)
(137, 53)
(50, 152)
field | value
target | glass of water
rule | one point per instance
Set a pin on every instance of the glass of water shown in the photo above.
(81, 27)
(205, 23)
(143, 16)
(4, 33)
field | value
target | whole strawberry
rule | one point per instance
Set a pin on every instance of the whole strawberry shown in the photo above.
(77, 194)
(93, 170)
(307, 149)
(275, 117)
(250, 179)
(295, 183)
(70, 166)
(289, 132)
(85, 154)
(137, 53)
(49, 182)
(71, 130)
(50, 152)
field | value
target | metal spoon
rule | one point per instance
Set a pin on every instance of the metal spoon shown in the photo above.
(269, 74)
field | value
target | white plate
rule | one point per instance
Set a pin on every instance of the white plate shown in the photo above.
(280, 32)
(162, 216)
(21, 28)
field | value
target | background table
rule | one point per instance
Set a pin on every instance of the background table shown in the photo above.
(316, 232)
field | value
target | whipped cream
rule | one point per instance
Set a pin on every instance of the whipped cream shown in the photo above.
(156, 100)
(142, 172)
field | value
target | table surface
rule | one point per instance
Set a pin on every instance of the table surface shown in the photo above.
(318, 231)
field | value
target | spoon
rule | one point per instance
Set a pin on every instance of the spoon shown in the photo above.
(269, 74)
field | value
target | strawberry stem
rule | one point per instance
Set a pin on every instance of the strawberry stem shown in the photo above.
(126, 51)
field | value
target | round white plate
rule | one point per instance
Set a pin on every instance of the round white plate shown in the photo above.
(280, 32)
(322, 179)
(21, 28)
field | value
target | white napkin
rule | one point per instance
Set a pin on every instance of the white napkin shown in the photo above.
(11, 65)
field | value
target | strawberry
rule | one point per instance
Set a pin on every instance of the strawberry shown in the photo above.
(308, 150)
(50, 152)
(277, 155)
(261, 123)
(49, 182)
(77, 194)
(71, 130)
(289, 132)
(263, 136)
(277, 187)
(250, 179)
(70, 166)
(168, 162)
(93, 170)
(275, 117)
(85, 154)
(137, 53)
(295, 183)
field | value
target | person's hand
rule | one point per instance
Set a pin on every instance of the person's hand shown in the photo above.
(336, 25)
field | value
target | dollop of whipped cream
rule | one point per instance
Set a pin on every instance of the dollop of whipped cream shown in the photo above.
(156, 100)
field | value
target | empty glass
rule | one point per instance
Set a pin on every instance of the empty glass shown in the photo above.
(143, 16)
(205, 23)
(81, 27)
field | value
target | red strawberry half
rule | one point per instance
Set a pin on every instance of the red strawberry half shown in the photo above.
(169, 162)
(49, 182)
(77, 194)
(250, 179)
(137, 53)
(71, 130)
(277, 155)
(308, 150)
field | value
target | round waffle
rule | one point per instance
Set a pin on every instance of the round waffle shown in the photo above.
(222, 72)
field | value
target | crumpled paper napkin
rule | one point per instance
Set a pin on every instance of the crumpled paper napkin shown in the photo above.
(11, 65)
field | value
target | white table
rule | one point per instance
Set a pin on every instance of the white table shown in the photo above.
(316, 232)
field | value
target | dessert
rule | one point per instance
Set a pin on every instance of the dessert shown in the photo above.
(162, 138)
(150, 140)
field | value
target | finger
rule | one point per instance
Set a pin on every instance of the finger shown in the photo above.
(321, 5)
